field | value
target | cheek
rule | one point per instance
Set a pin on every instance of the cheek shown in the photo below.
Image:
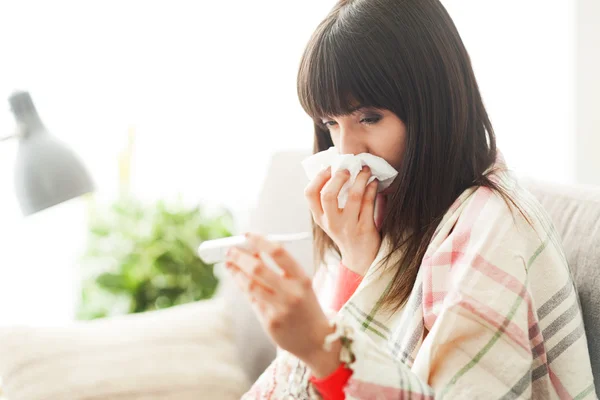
(335, 139)
(400, 147)
(393, 144)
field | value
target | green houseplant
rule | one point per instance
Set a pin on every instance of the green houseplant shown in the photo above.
(142, 257)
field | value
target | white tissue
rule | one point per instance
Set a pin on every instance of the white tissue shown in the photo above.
(380, 169)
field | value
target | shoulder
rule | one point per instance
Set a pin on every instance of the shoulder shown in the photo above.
(508, 209)
(507, 221)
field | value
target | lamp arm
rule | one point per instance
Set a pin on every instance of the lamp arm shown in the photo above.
(19, 132)
(6, 138)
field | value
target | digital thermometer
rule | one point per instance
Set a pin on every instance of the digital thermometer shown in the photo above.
(214, 251)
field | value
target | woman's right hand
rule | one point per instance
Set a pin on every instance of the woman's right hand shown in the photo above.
(352, 228)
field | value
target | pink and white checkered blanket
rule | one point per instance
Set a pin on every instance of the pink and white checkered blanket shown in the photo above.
(493, 314)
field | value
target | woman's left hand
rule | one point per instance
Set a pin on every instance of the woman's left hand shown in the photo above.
(285, 303)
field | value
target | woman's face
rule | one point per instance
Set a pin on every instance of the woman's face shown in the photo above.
(369, 130)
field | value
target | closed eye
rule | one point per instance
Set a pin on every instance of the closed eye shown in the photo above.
(367, 121)
(370, 120)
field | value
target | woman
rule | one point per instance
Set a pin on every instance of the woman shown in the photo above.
(453, 282)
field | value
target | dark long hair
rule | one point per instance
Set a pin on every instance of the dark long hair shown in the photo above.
(405, 56)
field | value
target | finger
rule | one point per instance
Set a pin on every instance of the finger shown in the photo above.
(367, 212)
(313, 192)
(253, 266)
(278, 254)
(247, 284)
(356, 194)
(331, 190)
(260, 304)
(263, 298)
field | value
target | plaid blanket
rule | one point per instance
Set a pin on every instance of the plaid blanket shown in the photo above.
(493, 314)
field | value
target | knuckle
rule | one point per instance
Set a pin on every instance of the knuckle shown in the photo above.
(306, 283)
(294, 300)
(256, 268)
(328, 196)
(342, 174)
(233, 255)
(262, 307)
(325, 172)
(355, 196)
(274, 322)
(310, 191)
(277, 250)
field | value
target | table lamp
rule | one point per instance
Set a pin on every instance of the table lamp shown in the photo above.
(47, 172)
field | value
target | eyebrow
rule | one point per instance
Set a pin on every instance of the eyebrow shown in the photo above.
(352, 110)
(355, 109)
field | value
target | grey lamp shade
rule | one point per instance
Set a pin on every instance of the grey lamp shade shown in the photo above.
(47, 172)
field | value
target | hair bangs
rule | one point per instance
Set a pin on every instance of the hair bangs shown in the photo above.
(336, 77)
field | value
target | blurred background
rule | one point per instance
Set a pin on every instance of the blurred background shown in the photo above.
(175, 109)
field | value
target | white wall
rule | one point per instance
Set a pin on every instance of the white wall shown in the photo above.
(588, 92)
(537, 63)
(523, 55)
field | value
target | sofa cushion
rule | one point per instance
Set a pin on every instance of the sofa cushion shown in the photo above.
(185, 352)
(281, 208)
(575, 212)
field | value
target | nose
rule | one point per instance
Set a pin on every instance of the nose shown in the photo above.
(350, 141)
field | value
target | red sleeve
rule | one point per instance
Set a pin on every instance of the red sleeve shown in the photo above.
(332, 387)
(347, 282)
